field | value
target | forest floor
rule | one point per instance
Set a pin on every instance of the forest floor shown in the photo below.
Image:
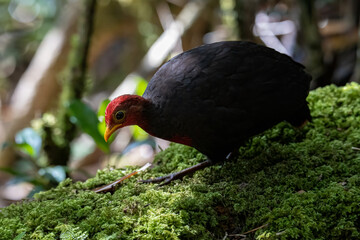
(286, 183)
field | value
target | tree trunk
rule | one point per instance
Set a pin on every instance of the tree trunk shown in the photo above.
(57, 140)
(311, 40)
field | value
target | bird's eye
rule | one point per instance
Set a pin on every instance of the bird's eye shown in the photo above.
(120, 115)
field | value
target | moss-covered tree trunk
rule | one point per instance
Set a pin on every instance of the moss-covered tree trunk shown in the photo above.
(310, 37)
(246, 11)
(58, 138)
(356, 75)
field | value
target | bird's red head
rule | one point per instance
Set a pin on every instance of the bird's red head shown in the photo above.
(123, 111)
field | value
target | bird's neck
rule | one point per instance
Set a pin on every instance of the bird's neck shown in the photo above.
(153, 122)
(146, 115)
(150, 119)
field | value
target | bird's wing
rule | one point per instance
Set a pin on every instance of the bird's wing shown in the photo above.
(227, 84)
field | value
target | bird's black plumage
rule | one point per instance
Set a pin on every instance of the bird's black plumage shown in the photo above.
(218, 95)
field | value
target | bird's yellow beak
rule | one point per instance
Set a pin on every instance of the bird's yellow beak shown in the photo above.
(110, 130)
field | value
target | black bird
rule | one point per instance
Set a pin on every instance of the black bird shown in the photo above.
(215, 97)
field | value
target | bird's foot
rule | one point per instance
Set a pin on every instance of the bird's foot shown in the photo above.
(164, 180)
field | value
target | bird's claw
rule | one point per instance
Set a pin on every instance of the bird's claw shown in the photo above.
(178, 175)
(164, 180)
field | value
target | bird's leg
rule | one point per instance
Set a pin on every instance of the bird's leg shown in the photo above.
(168, 178)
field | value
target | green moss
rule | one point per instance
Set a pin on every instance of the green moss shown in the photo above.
(303, 184)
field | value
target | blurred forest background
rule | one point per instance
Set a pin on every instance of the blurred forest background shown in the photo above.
(61, 60)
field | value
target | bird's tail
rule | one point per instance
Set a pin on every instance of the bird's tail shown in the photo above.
(300, 117)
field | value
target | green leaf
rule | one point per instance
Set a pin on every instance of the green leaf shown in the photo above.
(102, 108)
(141, 86)
(20, 179)
(87, 120)
(138, 133)
(4, 145)
(55, 174)
(9, 170)
(101, 116)
(29, 142)
(26, 148)
(36, 189)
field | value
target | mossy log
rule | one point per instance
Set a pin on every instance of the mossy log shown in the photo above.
(294, 183)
